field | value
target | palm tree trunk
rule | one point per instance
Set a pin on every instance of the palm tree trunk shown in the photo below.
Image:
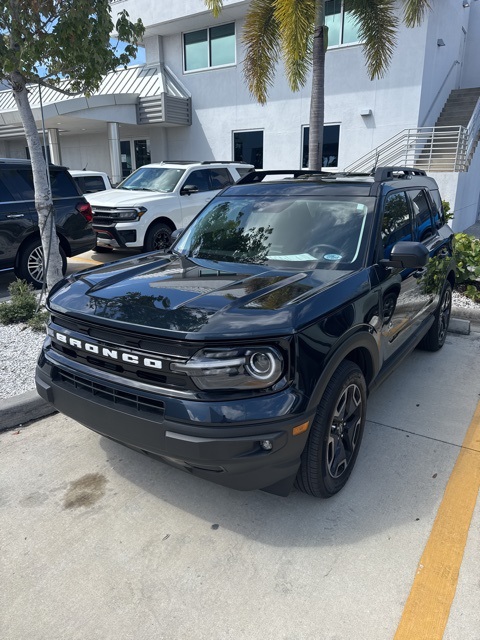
(317, 101)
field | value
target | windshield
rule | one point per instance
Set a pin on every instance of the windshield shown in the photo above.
(153, 179)
(287, 229)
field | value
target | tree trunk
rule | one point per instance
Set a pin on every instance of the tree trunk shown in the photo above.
(43, 194)
(317, 101)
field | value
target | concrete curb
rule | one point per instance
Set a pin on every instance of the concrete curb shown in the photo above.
(23, 408)
(29, 406)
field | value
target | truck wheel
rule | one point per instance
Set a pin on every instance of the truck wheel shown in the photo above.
(434, 339)
(158, 237)
(30, 263)
(335, 435)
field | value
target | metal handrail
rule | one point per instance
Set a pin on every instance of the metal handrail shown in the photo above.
(454, 64)
(473, 129)
(432, 148)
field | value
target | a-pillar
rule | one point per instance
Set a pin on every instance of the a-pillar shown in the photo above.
(54, 144)
(114, 150)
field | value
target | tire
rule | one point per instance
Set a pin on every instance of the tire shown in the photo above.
(434, 339)
(30, 263)
(335, 435)
(158, 237)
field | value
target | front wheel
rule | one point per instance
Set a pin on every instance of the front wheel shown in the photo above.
(434, 339)
(30, 263)
(158, 237)
(335, 435)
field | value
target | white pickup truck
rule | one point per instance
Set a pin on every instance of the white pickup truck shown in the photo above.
(148, 206)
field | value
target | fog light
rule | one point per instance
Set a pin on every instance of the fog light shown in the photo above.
(266, 444)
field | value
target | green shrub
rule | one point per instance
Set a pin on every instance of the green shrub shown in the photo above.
(466, 251)
(22, 307)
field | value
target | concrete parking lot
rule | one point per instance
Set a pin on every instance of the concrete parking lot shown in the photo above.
(100, 542)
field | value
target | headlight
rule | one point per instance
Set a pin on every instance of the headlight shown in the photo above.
(242, 368)
(130, 214)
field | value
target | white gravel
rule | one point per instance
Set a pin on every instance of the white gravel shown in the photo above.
(20, 347)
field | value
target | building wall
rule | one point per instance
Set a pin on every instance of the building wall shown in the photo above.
(222, 104)
(471, 67)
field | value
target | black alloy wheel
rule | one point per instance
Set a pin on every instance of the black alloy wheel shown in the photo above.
(158, 237)
(436, 335)
(336, 433)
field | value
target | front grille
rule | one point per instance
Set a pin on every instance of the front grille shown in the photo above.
(111, 396)
(147, 350)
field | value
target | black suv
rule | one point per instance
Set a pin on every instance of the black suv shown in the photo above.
(20, 246)
(245, 354)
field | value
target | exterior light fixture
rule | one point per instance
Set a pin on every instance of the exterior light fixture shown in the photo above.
(466, 3)
(440, 43)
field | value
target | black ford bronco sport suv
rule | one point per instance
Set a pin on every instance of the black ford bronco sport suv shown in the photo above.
(245, 354)
(20, 245)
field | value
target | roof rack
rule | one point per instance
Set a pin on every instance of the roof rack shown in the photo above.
(387, 173)
(259, 175)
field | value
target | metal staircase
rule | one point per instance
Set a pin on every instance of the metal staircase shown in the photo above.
(448, 146)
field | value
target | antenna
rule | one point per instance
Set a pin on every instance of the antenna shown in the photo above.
(377, 155)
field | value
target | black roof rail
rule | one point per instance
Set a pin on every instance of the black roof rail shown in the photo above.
(259, 175)
(387, 173)
(224, 162)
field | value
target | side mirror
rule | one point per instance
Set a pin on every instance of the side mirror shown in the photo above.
(176, 234)
(188, 189)
(407, 255)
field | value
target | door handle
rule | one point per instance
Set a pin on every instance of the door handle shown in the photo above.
(15, 215)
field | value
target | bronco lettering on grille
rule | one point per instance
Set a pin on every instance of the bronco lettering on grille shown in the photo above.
(111, 354)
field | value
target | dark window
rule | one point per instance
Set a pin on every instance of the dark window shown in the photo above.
(248, 147)
(63, 185)
(397, 224)
(424, 223)
(5, 194)
(20, 181)
(48, 158)
(90, 184)
(331, 138)
(220, 178)
(198, 179)
(126, 156)
(214, 47)
(142, 153)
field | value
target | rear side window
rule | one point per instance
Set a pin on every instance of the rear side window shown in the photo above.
(424, 223)
(220, 178)
(63, 185)
(90, 184)
(5, 194)
(20, 183)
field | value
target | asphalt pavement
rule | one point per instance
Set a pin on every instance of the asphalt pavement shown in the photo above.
(100, 542)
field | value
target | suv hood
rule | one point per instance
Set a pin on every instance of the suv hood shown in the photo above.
(168, 294)
(126, 197)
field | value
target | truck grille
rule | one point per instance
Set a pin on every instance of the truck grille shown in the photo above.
(135, 358)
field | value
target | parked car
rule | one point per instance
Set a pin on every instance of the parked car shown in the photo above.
(144, 210)
(91, 181)
(245, 354)
(20, 245)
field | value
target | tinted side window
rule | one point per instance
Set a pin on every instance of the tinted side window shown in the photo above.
(424, 223)
(220, 178)
(199, 179)
(93, 183)
(5, 194)
(20, 183)
(397, 223)
(63, 185)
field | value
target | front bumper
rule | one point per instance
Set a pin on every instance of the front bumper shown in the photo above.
(116, 236)
(218, 441)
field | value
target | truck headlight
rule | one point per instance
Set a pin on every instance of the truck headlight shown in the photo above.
(240, 368)
(130, 214)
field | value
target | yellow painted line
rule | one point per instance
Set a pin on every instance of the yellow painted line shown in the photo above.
(85, 260)
(427, 608)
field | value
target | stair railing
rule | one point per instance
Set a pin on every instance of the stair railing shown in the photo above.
(473, 134)
(430, 148)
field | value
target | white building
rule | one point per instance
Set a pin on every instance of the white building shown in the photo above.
(190, 101)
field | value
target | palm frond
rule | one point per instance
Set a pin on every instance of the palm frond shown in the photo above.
(377, 28)
(414, 11)
(262, 48)
(215, 6)
(296, 19)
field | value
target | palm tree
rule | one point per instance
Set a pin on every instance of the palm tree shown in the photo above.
(294, 31)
